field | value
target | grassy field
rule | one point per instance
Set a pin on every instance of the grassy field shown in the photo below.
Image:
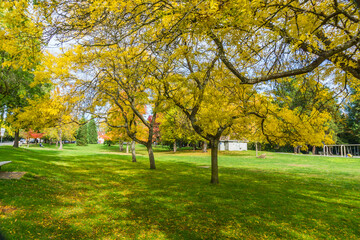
(96, 192)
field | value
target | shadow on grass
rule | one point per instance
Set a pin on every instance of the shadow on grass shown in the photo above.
(107, 196)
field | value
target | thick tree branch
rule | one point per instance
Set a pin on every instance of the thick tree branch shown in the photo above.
(323, 55)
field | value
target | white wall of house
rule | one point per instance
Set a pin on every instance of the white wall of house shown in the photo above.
(232, 145)
(221, 146)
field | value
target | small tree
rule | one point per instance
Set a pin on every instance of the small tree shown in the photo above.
(92, 132)
(35, 135)
(82, 134)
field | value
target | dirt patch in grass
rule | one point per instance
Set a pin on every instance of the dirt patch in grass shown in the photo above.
(11, 175)
(6, 210)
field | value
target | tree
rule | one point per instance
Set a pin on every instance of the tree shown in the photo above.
(117, 121)
(122, 79)
(66, 131)
(35, 135)
(20, 54)
(351, 128)
(92, 132)
(206, 94)
(309, 99)
(171, 128)
(21, 109)
(47, 111)
(176, 127)
(117, 135)
(82, 134)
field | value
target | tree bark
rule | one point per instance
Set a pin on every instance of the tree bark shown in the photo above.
(214, 161)
(151, 156)
(256, 148)
(121, 145)
(313, 150)
(60, 140)
(127, 147)
(204, 146)
(174, 146)
(17, 138)
(133, 155)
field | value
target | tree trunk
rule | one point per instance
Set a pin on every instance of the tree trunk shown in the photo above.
(133, 155)
(16, 140)
(313, 150)
(204, 146)
(194, 147)
(295, 150)
(299, 148)
(127, 147)
(256, 148)
(151, 156)
(121, 145)
(60, 140)
(214, 161)
(174, 146)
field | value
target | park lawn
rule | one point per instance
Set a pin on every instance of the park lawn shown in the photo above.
(96, 192)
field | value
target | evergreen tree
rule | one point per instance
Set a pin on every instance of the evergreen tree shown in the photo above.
(82, 134)
(352, 129)
(92, 132)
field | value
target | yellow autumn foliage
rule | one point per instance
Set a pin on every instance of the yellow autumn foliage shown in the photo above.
(20, 35)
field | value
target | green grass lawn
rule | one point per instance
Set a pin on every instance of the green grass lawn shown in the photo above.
(96, 192)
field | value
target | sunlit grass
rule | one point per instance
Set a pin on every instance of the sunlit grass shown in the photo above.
(96, 192)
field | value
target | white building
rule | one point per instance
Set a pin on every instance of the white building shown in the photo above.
(232, 145)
